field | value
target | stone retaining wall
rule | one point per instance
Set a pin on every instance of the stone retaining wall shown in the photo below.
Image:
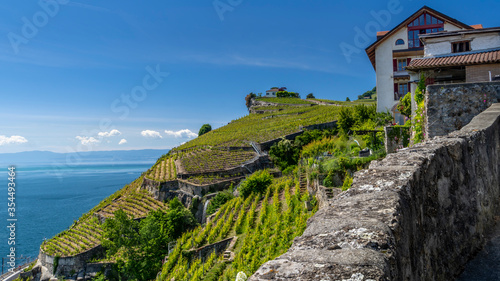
(450, 107)
(418, 214)
(72, 263)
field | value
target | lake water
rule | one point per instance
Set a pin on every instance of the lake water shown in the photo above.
(49, 197)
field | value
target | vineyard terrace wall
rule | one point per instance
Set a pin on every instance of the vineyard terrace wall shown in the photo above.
(67, 265)
(418, 214)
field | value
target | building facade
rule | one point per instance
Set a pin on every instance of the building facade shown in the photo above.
(394, 50)
(464, 56)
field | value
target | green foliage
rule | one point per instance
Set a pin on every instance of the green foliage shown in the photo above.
(310, 96)
(257, 182)
(285, 100)
(345, 119)
(220, 199)
(404, 105)
(264, 127)
(204, 129)
(284, 154)
(138, 247)
(368, 94)
(248, 99)
(286, 94)
(264, 233)
(419, 119)
(347, 99)
(347, 182)
(55, 265)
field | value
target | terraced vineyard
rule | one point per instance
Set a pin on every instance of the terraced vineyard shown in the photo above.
(86, 233)
(263, 127)
(137, 204)
(163, 170)
(82, 236)
(265, 226)
(211, 160)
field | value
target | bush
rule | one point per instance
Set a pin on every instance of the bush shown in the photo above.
(257, 182)
(310, 96)
(404, 105)
(204, 129)
(220, 199)
(345, 120)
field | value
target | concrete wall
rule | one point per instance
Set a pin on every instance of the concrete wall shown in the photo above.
(450, 107)
(480, 73)
(419, 214)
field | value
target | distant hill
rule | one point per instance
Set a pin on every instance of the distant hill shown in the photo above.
(40, 157)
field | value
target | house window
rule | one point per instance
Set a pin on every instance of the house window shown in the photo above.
(400, 89)
(400, 42)
(459, 47)
(401, 64)
(424, 24)
(403, 89)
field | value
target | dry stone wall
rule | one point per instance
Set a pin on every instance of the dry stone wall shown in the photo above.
(450, 107)
(418, 214)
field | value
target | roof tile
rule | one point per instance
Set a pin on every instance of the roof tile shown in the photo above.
(456, 60)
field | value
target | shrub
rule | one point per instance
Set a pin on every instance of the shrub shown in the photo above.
(204, 129)
(310, 96)
(257, 182)
(220, 199)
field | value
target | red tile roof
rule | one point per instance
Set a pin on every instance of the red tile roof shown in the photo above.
(382, 33)
(485, 57)
(477, 26)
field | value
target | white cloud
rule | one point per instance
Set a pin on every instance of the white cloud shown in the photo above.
(151, 134)
(123, 141)
(87, 140)
(185, 133)
(12, 140)
(111, 133)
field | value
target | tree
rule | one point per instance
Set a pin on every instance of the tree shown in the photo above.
(142, 246)
(284, 154)
(204, 129)
(257, 182)
(347, 99)
(310, 96)
(345, 119)
(248, 99)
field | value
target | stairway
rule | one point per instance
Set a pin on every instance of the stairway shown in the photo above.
(303, 183)
(228, 256)
(328, 192)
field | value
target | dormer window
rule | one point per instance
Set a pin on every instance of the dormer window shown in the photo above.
(459, 47)
(400, 42)
(424, 24)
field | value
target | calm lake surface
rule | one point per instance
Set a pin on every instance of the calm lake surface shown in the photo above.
(50, 196)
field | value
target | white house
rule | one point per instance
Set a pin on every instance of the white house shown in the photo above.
(461, 56)
(395, 49)
(271, 93)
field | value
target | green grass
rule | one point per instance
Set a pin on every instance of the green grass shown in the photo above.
(265, 225)
(263, 127)
(285, 100)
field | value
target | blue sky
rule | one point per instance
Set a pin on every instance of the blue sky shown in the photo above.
(87, 75)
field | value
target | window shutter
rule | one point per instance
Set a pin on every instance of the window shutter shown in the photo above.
(409, 88)
(408, 60)
(395, 64)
